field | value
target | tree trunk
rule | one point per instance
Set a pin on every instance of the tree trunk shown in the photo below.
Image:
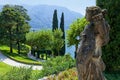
(10, 37)
(62, 51)
(18, 43)
(38, 54)
(46, 55)
(58, 52)
(18, 46)
(11, 51)
(76, 47)
(32, 50)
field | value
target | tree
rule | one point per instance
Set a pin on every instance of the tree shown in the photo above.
(73, 33)
(62, 52)
(7, 18)
(57, 41)
(55, 21)
(46, 40)
(111, 51)
(41, 40)
(22, 26)
(31, 38)
(14, 21)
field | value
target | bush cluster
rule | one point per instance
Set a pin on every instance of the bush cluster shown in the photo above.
(56, 65)
(70, 74)
(111, 52)
(21, 73)
(50, 67)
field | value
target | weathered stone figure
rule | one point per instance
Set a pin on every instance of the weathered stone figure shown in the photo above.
(95, 35)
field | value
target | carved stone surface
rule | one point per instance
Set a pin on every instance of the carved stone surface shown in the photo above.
(95, 35)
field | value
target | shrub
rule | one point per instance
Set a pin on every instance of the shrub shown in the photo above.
(71, 74)
(111, 52)
(56, 65)
(21, 73)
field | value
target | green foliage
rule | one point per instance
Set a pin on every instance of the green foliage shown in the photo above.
(41, 39)
(57, 65)
(114, 75)
(55, 21)
(111, 51)
(22, 11)
(71, 74)
(62, 24)
(57, 41)
(46, 40)
(35, 75)
(17, 74)
(30, 38)
(62, 51)
(74, 31)
(14, 24)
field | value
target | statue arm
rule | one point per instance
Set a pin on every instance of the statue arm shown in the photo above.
(100, 25)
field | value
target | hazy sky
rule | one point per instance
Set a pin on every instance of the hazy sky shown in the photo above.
(74, 5)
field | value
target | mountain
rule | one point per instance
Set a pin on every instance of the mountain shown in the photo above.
(41, 16)
(0, 8)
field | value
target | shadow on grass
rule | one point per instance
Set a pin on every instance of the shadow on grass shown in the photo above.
(7, 53)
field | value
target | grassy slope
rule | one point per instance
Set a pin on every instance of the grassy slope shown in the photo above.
(20, 58)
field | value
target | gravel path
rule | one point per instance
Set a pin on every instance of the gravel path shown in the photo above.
(11, 62)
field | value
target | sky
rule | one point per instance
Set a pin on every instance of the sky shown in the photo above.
(74, 5)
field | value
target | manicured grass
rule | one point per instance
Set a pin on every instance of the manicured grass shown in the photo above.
(4, 68)
(18, 57)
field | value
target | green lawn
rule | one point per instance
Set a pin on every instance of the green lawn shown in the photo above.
(4, 68)
(15, 56)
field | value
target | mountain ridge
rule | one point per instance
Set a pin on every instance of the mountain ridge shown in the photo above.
(41, 16)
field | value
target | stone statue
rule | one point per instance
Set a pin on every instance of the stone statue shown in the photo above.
(95, 35)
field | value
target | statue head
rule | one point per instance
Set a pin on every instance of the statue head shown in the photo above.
(91, 12)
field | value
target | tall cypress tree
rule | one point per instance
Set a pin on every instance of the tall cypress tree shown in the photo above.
(111, 52)
(55, 21)
(62, 52)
